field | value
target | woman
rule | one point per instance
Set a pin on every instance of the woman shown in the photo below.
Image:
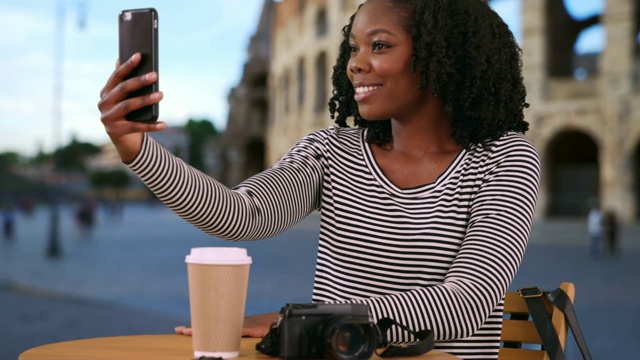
(426, 203)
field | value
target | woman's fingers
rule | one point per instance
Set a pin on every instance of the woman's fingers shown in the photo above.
(184, 330)
(254, 332)
(118, 88)
(258, 325)
(116, 106)
(116, 96)
(118, 129)
(119, 74)
(112, 115)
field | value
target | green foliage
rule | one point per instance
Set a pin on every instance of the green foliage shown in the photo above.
(72, 156)
(14, 185)
(8, 160)
(41, 157)
(115, 179)
(200, 132)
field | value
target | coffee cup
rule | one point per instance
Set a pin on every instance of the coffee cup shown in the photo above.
(218, 281)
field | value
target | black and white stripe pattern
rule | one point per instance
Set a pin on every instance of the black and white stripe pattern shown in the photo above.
(438, 256)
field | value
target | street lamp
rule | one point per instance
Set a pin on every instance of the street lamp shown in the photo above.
(53, 245)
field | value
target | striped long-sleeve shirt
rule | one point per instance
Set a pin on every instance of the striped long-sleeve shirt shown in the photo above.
(438, 256)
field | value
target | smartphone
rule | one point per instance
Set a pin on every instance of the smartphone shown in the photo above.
(138, 32)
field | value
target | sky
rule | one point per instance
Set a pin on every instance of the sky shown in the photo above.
(202, 45)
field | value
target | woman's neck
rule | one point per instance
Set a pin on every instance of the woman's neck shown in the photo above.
(428, 131)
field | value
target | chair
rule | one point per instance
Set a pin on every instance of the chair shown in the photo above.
(518, 329)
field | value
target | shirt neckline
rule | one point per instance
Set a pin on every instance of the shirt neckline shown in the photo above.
(382, 179)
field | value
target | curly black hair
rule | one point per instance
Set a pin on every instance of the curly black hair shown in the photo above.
(467, 56)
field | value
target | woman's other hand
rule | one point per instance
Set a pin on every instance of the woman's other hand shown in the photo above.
(256, 326)
(184, 330)
(113, 105)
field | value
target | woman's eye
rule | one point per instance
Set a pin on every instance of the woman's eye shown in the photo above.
(353, 49)
(379, 46)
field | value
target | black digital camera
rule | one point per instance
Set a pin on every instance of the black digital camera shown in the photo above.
(322, 331)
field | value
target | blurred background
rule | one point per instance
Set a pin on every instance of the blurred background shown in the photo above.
(243, 80)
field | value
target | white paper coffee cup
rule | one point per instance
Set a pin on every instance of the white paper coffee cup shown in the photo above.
(218, 280)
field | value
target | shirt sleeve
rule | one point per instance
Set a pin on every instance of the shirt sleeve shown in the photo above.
(260, 207)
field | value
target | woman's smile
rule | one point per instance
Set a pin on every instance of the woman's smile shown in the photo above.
(365, 92)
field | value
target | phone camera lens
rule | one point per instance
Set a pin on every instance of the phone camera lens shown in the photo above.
(126, 16)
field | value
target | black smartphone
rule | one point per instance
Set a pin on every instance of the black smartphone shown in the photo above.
(138, 32)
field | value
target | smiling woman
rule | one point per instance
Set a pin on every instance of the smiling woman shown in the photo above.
(426, 202)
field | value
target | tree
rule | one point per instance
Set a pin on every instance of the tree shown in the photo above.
(111, 183)
(200, 131)
(8, 160)
(117, 179)
(72, 156)
(14, 185)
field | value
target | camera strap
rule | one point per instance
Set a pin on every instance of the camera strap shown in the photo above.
(425, 339)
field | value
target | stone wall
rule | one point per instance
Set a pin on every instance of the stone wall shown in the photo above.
(602, 106)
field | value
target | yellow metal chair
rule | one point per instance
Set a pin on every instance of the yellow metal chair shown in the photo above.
(518, 328)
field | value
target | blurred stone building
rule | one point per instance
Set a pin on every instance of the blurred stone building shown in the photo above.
(584, 114)
(305, 40)
(241, 153)
(285, 86)
(584, 119)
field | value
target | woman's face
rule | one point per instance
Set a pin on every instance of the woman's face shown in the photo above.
(379, 67)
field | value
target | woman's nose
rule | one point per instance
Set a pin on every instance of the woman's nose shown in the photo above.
(358, 64)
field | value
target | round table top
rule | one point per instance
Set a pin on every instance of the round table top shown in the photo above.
(156, 347)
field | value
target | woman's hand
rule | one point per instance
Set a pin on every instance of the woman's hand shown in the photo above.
(256, 326)
(113, 105)
(184, 330)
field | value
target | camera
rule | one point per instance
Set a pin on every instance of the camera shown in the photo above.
(322, 331)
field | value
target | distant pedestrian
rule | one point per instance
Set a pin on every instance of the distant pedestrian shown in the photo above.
(8, 222)
(85, 217)
(611, 231)
(594, 226)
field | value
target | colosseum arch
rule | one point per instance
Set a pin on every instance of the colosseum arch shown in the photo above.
(572, 173)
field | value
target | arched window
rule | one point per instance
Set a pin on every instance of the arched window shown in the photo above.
(573, 173)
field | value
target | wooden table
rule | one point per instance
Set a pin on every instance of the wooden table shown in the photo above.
(152, 347)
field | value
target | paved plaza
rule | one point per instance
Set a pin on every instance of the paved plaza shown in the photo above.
(128, 276)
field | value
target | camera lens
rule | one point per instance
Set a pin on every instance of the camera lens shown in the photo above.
(350, 338)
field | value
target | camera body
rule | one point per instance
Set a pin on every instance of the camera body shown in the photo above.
(326, 331)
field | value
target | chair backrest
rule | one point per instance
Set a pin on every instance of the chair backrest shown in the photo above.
(518, 329)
